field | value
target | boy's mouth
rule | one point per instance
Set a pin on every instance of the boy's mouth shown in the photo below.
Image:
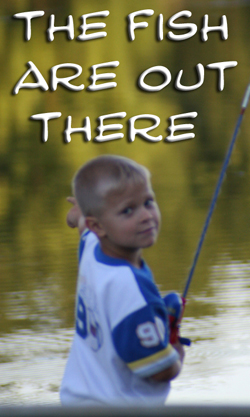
(149, 230)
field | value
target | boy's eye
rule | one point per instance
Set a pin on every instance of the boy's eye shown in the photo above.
(149, 202)
(127, 210)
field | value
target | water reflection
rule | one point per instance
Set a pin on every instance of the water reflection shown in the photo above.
(38, 253)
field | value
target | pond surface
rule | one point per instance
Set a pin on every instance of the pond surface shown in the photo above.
(216, 367)
(38, 253)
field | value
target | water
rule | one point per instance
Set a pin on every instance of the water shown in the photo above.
(38, 260)
(217, 366)
(32, 367)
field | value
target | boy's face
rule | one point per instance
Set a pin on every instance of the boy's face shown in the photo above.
(130, 220)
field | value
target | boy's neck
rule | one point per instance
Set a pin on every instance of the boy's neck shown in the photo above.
(133, 256)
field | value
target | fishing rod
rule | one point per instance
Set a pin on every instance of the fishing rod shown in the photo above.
(217, 190)
(174, 303)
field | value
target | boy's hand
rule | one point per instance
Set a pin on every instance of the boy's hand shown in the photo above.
(175, 308)
(75, 217)
(174, 305)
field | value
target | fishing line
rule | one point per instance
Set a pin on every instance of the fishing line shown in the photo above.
(217, 189)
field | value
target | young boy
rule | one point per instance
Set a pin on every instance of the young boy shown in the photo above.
(121, 353)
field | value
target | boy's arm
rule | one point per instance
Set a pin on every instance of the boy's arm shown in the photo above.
(175, 306)
(140, 327)
(173, 371)
(75, 217)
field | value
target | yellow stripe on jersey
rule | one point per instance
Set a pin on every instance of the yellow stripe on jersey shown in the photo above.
(151, 359)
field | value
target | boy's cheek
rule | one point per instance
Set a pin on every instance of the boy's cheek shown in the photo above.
(158, 216)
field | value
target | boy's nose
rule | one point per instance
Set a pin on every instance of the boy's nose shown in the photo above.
(146, 214)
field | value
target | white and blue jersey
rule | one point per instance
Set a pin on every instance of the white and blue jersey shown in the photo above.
(121, 336)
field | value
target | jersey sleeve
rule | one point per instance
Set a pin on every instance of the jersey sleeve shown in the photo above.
(141, 337)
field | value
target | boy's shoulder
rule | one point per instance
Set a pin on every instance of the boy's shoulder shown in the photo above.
(117, 276)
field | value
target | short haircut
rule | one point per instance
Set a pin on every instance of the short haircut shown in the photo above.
(96, 179)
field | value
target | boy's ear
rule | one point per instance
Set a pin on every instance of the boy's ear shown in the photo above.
(95, 226)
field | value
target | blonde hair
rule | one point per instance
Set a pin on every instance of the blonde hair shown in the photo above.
(102, 175)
